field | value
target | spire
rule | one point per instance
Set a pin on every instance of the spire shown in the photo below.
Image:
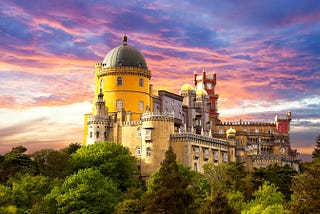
(125, 40)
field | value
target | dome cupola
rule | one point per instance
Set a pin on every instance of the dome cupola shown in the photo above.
(124, 56)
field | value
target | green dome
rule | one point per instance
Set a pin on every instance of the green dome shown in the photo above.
(124, 56)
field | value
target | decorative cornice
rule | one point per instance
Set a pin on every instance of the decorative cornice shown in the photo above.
(101, 71)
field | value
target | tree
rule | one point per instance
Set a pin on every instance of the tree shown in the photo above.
(14, 162)
(316, 152)
(87, 191)
(217, 204)
(72, 148)
(111, 159)
(168, 192)
(26, 191)
(306, 190)
(281, 176)
(267, 200)
(52, 163)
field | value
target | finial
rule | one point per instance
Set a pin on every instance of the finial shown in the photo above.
(125, 40)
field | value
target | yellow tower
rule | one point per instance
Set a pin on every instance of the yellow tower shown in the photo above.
(124, 79)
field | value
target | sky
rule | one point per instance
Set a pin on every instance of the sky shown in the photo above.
(266, 55)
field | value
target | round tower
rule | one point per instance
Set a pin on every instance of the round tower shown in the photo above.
(124, 79)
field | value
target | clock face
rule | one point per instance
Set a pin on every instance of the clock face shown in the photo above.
(282, 150)
(209, 86)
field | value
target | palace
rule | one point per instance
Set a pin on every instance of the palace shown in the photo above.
(127, 110)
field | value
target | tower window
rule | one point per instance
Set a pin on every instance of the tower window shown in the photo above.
(148, 152)
(97, 134)
(90, 134)
(195, 167)
(141, 105)
(119, 105)
(138, 150)
(119, 81)
(141, 83)
(139, 132)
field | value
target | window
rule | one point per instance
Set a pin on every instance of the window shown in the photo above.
(97, 134)
(119, 81)
(148, 134)
(141, 83)
(138, 150)
(119, 105)
(195, 167)
(105, 135)
(90, 134)
(139, 132)
(206, 154)
(141, 105)
(216, 156)
(196, 152)
(148, 151)
(225, 157)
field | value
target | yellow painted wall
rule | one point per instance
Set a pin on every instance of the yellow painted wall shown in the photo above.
(129, 92)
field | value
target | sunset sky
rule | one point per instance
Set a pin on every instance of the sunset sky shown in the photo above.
(266, 55)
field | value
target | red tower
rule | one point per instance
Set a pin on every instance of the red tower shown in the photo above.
(283, 123)
(208, 82)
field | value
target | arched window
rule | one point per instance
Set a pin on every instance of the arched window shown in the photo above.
(138, 150)
(139, 131)
(148, 152)
(195, 167)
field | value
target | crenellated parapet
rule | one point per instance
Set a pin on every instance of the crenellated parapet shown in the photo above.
(200, 139)
(107, 71)
(132, 123)
(153, 116)
(246, 123)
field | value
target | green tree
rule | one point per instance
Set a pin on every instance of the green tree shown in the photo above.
(14, 162)
(132, 202)
(52, 163)
(71, 148)
(113, 160)
(281, 176)
(169, 191)
(87, 191)
(267, 200)
(217, 203)
(26, 191)
(306, 190)
(316, 151)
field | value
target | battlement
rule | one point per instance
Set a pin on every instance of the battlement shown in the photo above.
(199, 139)
(154, 116)
(132, 123)
(246, 123)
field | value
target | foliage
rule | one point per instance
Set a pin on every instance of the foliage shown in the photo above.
(267, 200)
(71, 148)
(87, 191)
(229, 177)
(316, 152)
(132, 202)
(111, 159)
(25, 191)
(306, 190)
(218, 203)
(280, 176)
(52, 163)
(14, 162)
(169, 192)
